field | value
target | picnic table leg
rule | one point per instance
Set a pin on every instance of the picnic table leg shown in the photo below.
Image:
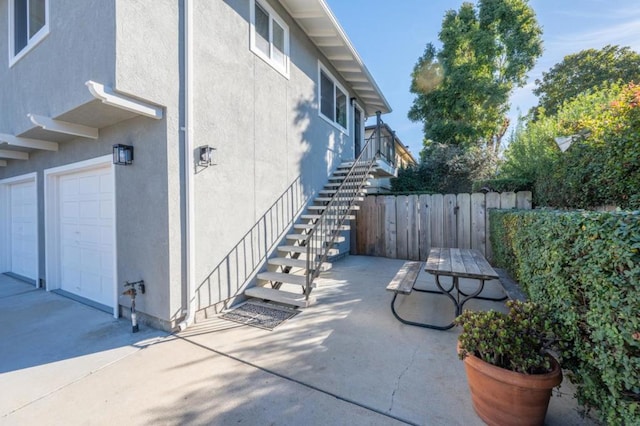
(491, 299)
(468, 297)
(414, 323)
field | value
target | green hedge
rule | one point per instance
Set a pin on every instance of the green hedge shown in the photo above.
(586, 267)
(502, 185)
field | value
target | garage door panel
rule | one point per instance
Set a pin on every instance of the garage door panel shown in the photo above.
(89, 185)
(89, 234)
(87, 240)
(70, 210)
(89, 209)
(23, 229)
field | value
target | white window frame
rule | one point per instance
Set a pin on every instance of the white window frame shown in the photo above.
(273, 17)
(31, 42)
(336, 86)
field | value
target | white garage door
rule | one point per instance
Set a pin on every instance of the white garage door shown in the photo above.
(87, 234)
(23, 230)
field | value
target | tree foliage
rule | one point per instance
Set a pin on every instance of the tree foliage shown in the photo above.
(583, 71)
(446, 169)
(462, 90)
(601, 167)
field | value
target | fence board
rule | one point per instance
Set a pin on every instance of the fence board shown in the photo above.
(508, 200)
(413, 231)
(436, 216)
(492, 201)
(390, 227)
(370, 209)
(379, 235)
(478, 222)
(402, 217)
(407, 227)
(425, 226)
(523, 200)
(464, 221)
(450, 221)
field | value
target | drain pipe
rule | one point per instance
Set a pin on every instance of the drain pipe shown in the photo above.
(189, 163)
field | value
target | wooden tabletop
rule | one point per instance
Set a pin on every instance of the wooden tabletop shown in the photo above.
(464, 263)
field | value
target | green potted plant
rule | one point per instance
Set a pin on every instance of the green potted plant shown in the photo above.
(507, 361)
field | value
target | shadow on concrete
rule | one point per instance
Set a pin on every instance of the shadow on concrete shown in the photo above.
(41, 328)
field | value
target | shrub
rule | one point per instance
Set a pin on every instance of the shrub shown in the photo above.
(445, 169)
(517, 341)
(601, 167)
(502, 185)
(585, 267)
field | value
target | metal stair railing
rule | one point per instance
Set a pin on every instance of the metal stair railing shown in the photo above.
(327, 228)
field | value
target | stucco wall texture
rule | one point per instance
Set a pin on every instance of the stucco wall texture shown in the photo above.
(269, 139)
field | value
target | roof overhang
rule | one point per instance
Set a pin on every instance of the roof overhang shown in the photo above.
(322, 27)
(105, 107)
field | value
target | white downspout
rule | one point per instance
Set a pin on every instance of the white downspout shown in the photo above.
(188, 163)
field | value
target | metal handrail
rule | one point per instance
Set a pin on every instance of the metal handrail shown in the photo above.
(322, 236)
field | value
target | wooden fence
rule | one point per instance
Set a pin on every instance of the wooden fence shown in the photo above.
(407, 226)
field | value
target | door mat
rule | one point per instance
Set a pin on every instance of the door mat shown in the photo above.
(260, 314)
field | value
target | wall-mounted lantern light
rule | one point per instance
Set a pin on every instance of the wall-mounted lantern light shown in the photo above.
(122, 154)
(206, 156)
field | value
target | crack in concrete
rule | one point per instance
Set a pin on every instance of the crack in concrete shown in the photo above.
(397, 386)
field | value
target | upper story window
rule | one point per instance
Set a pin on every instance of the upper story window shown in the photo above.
(333, 100)
(269, 36)
(28, 25)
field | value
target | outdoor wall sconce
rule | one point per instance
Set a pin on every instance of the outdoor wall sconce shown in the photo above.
(206, 156)
(122, 154)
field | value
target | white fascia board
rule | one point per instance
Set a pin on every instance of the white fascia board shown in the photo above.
(14, 155)
(109, 97)
(28, 143)
(385, 107)
(58, 126)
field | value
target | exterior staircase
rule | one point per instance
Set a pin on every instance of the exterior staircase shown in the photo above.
(315, 238)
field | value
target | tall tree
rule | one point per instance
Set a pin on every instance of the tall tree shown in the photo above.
(583, 71)
(462, 90)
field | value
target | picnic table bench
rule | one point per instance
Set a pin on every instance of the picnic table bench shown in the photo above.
(449, 262)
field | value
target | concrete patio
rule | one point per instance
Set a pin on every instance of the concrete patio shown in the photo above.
(344, 361)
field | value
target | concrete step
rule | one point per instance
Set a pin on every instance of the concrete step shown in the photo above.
(328, 199)
(353, 178)
(322, 208)
(317, 216)
(346, 170)
(295, 263)
(279, 277)
(348, 184)
(363, 191)
(311, 225)
(303, 237)
(349, 164)
(303, 249)
(280, 296)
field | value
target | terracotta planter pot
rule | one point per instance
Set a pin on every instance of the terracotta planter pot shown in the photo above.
(503, 397)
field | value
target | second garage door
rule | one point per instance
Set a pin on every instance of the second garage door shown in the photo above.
(23, 232)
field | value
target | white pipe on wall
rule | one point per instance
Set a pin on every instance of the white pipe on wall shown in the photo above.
(189, 163)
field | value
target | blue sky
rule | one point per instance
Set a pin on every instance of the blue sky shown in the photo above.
(391, 35)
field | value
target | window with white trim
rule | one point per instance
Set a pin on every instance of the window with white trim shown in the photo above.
(269, 36)
(333, 100)
(28, 25)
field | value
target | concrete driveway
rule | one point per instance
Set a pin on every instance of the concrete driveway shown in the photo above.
(344, 361)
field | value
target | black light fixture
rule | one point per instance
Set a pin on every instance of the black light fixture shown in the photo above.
(206, 156)
(122, 154)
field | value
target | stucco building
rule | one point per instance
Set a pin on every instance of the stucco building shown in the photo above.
(231, 117)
